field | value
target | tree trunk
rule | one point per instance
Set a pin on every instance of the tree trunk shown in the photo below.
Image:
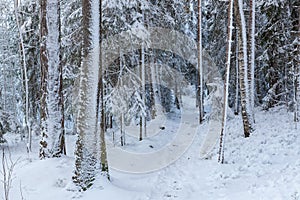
(55, 81)
(52, 140)
(44, 74)
(143, 84)
(176, 91)
(22, 49)
(103, 156)
(86, 162)
(122, 112)
(200, 68)
(152, 86)
(297, 72)
(251, 62)
(236, 104)
(226, 88)
(143, 95)
(243, 64)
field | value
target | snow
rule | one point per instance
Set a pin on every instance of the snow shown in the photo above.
(264, 166)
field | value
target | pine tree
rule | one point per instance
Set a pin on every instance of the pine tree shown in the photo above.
(71, 44)
(273, 49)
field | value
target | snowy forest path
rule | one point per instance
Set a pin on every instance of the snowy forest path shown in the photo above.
(182, 179)
(182, 137)
(172, 179)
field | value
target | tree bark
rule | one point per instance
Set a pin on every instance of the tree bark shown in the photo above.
(243, 65)
(200, 67)
(296, 68)
(226, 88)
(251, 39)
(236, 104)
(52, 136)
(44, 73)
(103, 157)
(87, 148)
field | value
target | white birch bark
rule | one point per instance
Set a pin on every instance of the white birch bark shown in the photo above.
(245, 61)
(226, 88)
(243, 64)
(252, 56)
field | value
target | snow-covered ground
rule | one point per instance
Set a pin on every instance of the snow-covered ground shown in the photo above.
(265, 166)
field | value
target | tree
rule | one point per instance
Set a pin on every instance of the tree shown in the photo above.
(103, 156)
(52, 142)
(215, 29)
(87, 145)
(236, 96)
(251, 42)
(44, 72)
(200, 67)
(28, 17)
(296, 62)
(12, 87)
(243, 64)
(274, 55)
(226, 88)
(22, 50)
(142, 77)
(71, 16)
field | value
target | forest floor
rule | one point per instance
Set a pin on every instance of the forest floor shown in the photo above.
(265, 166)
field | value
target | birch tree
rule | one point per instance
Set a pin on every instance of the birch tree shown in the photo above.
(226, 88)
(252, 55)
(243, 65)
